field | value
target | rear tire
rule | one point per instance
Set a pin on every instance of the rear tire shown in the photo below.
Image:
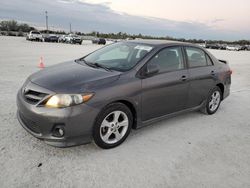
(112, 126)
(213, 101)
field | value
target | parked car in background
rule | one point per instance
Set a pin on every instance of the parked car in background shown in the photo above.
(222, 46)
(203, 45)
(62, 38)
(95, 40)
(247, 47)
(50, 38)
(34, 36)
(73, 39)
(99, 41)
(233, 47)
(244, 47)
(212, 46)
(129, 39)
(116, 40)
(123, 86)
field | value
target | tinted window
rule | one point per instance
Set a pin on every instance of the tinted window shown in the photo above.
(196, 57)
(169, 59)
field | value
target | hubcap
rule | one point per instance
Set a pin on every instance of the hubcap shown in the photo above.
(114, 127)
(214, 101)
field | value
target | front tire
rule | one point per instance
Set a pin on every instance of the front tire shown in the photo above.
(112, 126)
(213, 101)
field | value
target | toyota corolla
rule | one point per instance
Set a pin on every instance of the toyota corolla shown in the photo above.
(122, 86)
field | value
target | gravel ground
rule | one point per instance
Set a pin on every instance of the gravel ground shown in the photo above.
(191, 150)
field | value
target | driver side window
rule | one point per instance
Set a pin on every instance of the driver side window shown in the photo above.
(168, 59)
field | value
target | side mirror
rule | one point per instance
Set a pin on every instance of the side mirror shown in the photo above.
(151, 69)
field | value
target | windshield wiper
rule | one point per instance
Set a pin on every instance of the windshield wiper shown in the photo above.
(81, 59)
(101, 66)
(97, 65)
(94, 65)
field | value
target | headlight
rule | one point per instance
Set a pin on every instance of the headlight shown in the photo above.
(65, 100)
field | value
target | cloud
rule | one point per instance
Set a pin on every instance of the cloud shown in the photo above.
(217, 20)
(88, 17)
(66, 1)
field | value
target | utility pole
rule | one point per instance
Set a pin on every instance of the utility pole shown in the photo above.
(46, 16)
(69, 27)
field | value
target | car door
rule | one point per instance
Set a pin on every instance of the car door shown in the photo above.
(201, 75)
(166, 91)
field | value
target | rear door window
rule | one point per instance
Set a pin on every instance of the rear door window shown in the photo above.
(196, 57)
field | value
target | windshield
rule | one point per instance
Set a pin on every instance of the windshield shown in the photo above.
(119, 56)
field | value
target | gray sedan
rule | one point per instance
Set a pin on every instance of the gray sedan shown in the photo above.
(120, 87)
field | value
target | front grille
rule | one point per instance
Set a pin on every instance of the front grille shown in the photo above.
(31, 125)
(34, 97)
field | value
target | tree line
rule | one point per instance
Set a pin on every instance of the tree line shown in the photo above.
(12, 25)
(121, 35)
(7, 27)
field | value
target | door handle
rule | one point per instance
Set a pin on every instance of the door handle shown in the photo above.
(184, 78)
(213, 73)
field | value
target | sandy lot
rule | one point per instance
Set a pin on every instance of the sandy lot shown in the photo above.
(191, 150)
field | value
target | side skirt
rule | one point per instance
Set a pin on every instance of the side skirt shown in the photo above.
(154, 120)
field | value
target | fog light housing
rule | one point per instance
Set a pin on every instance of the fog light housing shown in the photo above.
(58, 131)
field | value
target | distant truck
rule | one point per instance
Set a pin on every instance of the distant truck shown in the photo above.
(34, 36)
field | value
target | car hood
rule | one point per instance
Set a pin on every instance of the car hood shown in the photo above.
(72, 77)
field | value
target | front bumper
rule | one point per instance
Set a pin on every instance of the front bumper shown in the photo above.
(35, 38)
(77, 122)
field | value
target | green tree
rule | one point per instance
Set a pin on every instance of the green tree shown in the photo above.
(24, 27)
(11, 25)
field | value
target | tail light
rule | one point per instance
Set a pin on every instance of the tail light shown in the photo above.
(230, 71)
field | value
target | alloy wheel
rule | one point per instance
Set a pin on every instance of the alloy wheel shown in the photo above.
(114, 127)
(214, 101)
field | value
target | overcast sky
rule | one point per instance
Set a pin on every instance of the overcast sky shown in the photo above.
(214, 19)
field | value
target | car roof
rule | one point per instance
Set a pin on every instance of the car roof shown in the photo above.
(158, 42)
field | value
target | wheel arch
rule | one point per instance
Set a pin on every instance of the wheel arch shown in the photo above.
(132, 108)
(222, 87)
